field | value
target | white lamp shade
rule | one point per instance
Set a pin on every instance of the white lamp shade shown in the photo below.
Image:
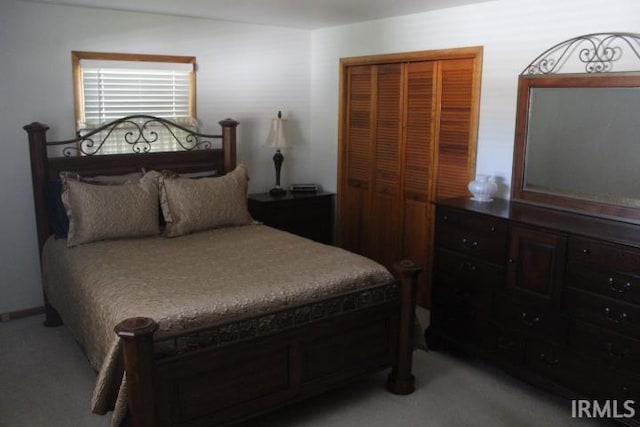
(276, 138)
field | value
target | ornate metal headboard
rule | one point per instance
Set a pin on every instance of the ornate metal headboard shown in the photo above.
(82, 154)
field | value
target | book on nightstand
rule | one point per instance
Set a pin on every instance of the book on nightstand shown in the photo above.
(304, 188)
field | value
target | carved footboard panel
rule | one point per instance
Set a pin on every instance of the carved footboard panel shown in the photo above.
(236, 371)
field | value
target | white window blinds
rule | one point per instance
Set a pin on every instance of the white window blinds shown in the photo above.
(114, 89)
(111, 89)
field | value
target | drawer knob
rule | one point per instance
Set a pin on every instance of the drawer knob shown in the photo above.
(586, 251)
(617, 286)
(526, 320)
(505, 343)
(469, 244)
(547, 361)
(445, 218)
(615, 319)
(493, 229)
(616, 354)
(461, 295)
(467, 266)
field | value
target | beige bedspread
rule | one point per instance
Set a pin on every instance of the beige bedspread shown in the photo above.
(205, 278)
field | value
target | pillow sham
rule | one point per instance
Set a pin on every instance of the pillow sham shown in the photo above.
(56, 211)
(192, 175)
(190, 205)
(101, 212)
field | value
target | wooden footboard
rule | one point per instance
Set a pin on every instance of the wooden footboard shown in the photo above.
(236, 371)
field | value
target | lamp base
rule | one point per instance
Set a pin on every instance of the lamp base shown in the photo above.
(277, 192)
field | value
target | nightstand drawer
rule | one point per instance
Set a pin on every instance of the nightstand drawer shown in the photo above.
(308, 214)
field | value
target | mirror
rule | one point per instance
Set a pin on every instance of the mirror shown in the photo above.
(578, 143)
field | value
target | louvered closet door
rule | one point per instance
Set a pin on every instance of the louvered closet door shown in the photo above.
(408, 130)
(418, 171)
(386, 209)
(357, 159)
(457, 122)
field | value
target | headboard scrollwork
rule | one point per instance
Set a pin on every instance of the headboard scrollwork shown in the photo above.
(139, 133)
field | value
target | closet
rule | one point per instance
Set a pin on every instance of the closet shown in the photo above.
(408, 130)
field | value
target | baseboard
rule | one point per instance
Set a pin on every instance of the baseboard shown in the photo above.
(13, 315)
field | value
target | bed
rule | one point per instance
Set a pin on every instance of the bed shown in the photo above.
(203, 323)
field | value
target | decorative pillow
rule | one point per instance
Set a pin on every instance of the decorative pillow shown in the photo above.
(127, 178)
(192, 175)
(190, 205)
(100, 212)
(56, 211)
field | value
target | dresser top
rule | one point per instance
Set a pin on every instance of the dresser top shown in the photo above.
(568, 222)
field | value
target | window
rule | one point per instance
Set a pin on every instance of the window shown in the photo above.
(110, 86)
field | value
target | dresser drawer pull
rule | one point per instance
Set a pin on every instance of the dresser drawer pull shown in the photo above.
(461, 295)
(547, 361)
(467, 266)
(618, 287)
(469, 244)
(524, 318)
(618, 355)
(505, 343)
(615, 319)
(586, 251)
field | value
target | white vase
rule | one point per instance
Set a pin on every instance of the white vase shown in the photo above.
(483, 188)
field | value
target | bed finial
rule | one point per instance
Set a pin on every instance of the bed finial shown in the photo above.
(229, 143)
(39, 171)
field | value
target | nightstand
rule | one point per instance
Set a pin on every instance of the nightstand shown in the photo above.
(306, 214)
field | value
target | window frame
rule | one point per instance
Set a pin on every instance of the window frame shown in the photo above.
(78, 93)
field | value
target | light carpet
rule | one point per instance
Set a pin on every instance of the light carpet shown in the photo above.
(45, 380)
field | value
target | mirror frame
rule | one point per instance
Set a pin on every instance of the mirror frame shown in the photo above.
(597, 53)
(519, 190)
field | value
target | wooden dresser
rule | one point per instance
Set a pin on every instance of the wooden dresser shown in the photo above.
(550, 296)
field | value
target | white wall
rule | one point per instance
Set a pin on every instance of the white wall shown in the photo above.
(513, 33)
(246, 72)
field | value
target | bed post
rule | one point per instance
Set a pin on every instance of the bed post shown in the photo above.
(39, 173)
(136, 335)
(401, 380)
(229, 143)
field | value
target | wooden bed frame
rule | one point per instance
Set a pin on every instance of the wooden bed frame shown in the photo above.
(235, 371)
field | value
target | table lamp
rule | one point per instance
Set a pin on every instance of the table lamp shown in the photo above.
(277, 140)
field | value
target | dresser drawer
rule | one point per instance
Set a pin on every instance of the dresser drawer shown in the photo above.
(471, 234)
(557, 363)
(531, 318)
(606, 348)
(611, 257)
(456, 322)
(459, 278)
(560, 364)
(606, 312)
(612, 284)
(499, 343)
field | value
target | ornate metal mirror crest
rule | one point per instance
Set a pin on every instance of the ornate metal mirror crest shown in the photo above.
(577, 141)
